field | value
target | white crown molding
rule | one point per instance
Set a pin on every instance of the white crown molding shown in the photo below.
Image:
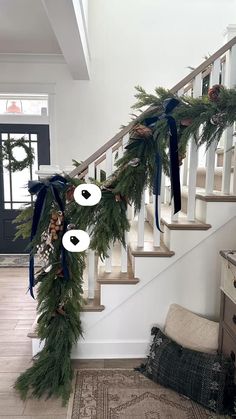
(32, 58)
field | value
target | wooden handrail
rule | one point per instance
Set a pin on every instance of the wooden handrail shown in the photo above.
(83, 166)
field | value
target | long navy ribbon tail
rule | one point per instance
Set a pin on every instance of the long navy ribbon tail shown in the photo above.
(40, 189)
(157, 187)
(174, 164)
(39, 203)
(63, 250)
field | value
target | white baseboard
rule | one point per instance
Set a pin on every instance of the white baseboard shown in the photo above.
(103, 349)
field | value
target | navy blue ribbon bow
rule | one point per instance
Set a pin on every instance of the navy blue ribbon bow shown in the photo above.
(169, 105)
(40, 188)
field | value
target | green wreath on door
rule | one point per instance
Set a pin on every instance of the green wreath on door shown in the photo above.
(7, 154)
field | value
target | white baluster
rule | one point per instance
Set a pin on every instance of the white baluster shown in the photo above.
(181, 92)
(156, 232)
(230, 81)
(124, 250)
(193, 163)
(185, 168)
(147, 196)
(210, 153)
(109, 166)
(109, 163)
(193, 158)
(174, 217)
(130, 212)
(92, 273)
(234, 168)
(125, 140)
(98, 173)
(215, 72)
(210, 167)
(120, 150)
(141, 220)
(163, 188)
(124, 255)
(91, 170)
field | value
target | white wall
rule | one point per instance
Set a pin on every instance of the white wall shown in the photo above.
(146, 42)
(193, 282)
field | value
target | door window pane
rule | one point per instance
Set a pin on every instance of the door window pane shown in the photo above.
(15, 183)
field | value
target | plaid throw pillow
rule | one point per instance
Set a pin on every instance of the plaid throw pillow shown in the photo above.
(200, 376)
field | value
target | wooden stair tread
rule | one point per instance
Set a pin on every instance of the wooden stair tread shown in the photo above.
(216, 196)
(181, 224)
(148, 249)
(116, 276)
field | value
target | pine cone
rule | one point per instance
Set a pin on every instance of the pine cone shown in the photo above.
(186, 122)
(214, 91)
(141, 131)
(70, 193)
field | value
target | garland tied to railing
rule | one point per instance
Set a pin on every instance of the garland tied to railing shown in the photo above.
(55, 184)
(60, 298)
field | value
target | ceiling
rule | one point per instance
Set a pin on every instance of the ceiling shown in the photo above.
(25, 28)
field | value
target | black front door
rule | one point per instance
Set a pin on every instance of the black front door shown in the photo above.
(13, 186)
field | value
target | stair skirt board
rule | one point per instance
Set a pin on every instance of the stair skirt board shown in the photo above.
(114, 349)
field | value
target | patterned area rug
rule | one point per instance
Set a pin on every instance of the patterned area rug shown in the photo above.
(126, 394)
(15, 261)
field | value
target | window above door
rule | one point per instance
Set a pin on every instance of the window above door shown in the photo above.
(23, 104)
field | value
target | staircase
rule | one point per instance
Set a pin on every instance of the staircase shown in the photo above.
(134, 287)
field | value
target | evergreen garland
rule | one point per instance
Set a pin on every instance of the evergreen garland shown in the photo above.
(60, 300)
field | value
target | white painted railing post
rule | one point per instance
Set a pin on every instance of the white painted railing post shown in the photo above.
(230, 81)
(163, 188)
(109, 166)
(124, 255)
(185, 168)
(211, 151)
(193, 158)
(210, 168)
(92, 266)
(141, 220)
(92, 273)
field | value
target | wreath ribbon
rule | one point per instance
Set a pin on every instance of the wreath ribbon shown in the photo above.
(39, 188)
(169, 105)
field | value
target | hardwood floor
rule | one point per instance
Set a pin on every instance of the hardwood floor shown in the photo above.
(17, 314)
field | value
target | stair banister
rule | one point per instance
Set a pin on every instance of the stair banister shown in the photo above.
(81, 168)
(105, 155)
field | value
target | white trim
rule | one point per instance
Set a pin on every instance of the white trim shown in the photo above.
(24, 119)
(28, 88)
(32, 58)
(103, 349)
(85, 26)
